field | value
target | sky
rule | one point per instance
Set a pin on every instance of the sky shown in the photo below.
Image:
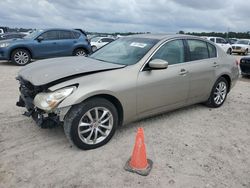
(156, 16)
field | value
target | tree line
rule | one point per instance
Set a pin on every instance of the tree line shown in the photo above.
(239, 35)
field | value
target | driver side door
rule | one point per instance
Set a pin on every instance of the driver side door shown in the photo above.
(49, 46)
(164, 89)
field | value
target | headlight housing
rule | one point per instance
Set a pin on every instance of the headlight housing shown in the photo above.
(48, 101)
(4, 44)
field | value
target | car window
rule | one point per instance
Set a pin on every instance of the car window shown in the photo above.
(65, 35)
(212, 39)
(198, 49)
(212, 50)
(106, 40)
(76, 35)
(50, 35)
(172, 52)
(220, 41)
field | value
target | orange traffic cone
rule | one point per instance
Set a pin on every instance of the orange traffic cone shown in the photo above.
(139, 163)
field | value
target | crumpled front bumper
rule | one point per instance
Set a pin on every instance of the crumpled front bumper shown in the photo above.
(27, 94)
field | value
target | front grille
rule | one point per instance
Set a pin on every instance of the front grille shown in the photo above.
(28, 92)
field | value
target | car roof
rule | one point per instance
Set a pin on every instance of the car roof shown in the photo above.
(163, 36)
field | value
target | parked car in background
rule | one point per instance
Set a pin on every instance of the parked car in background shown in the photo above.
(98, 42)
(1, 31)
(131, 78)
(222, 43)
(11, 36)
(242, 46)
(245, 66)
(45, 43)
(232, 40)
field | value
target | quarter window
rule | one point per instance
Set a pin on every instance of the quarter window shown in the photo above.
(172, 52)
(76, 35)
(198, 50)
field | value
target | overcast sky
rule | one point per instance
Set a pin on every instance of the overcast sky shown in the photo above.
(156, 16)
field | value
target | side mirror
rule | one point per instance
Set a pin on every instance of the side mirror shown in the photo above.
(40, 38)
(158, 64)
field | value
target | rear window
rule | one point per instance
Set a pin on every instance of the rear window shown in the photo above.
(76, 35)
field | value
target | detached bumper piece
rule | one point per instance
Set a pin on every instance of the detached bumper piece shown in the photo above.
(42, 119)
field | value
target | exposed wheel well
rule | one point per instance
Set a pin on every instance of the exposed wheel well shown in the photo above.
(228, 81)
(115, 102)
(24, 48)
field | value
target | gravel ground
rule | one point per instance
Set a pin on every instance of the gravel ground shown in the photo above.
(191, 147)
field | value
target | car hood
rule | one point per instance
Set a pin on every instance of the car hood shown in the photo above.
(241, 45)
(50, 70)
(15, 40)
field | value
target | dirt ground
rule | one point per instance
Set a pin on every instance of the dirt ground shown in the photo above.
(191, 147)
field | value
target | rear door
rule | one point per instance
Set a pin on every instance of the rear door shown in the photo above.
(66, 42)
(202, 65)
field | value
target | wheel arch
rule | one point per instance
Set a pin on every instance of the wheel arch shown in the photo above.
(228, 79)
(80, 47)
(21, 47)
(114, 101)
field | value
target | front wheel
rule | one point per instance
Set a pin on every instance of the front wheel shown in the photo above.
(91, 124)
(20, 57)
(218, 94)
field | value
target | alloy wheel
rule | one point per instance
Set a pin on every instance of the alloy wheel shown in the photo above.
(220, 93)
(80, 53)
(21, 57)
(95, 125)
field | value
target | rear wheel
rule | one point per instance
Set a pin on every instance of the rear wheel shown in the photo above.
(94, 48)
(91, 124)
(80, 52)
(229, 51)
(246, 52)
(218, 94)
(20, 57)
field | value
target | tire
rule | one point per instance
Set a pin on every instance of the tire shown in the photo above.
(246, 52)
(229, 51)
(80, 52)
(94, 48)
(20, 57)
(212, 101)
(78, 119)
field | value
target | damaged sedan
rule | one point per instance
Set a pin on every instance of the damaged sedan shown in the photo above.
(131, 78)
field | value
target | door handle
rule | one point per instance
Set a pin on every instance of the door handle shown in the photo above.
(215, 64)
(183, 72)
(54, 43)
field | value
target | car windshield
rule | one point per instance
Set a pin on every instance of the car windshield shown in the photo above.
(124, 51)
(242, 42)
(33, 34)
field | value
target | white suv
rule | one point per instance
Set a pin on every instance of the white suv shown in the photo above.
(222, 43)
